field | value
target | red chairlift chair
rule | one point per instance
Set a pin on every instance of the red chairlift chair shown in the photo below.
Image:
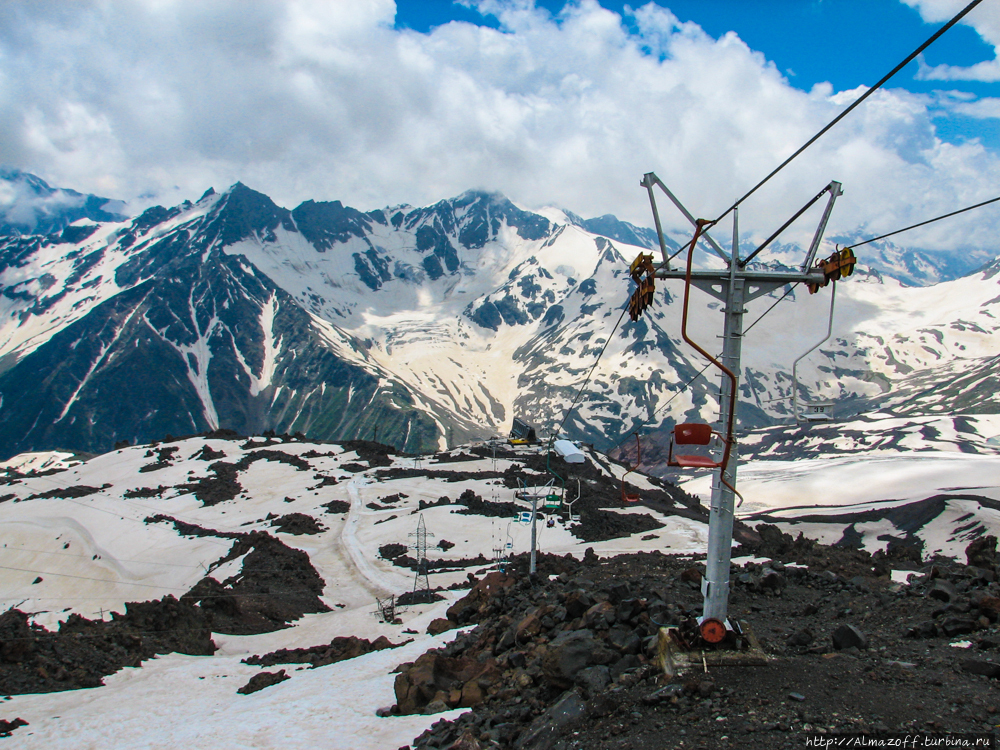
(693, 433)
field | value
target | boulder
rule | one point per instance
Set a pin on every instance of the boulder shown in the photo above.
(801, 638)
(435, 707)
(528, 628)
(926, 629)
(600, 617)
(626, 641)
(848, 636)
(985, 668)
(263, 680)
(618, 592)
(953, 626)
(942, 590)
(989, 606)
(571, 651)
(982, 552)
(593, 680)
(434, 676)
(472, 694)
(628, 609)
(623, 665)
(692, 576)
(577, 602)
(440, 625)
(770, 579)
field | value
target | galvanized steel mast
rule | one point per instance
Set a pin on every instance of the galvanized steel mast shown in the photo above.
(734, 286)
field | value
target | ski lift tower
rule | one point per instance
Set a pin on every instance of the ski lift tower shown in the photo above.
(734, 286)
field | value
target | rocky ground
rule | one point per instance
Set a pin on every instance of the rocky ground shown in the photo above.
(568, 660)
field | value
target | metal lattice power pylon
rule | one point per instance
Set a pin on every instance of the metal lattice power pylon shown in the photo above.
(421, 581)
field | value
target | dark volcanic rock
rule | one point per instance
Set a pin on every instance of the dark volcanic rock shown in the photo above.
(566, 711)
(436, 677)
(599, 525)
(277, 584)
(848, 636)
(80, 490)
(952, 626)
(263, 680)
(297, 523)
(337, 506)
(570, 652)
(392, 550)
(985, 668)
(440, 625)
(477, 602)
(82, 651)
(530, 629)
(942, 590)
(6, 727)
(982, 552)
(474, 504)
(339, 649)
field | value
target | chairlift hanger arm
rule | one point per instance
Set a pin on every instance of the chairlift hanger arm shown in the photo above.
(650, 179)
(795, 364)
(733, 393)
(648, 184)
(834, 191)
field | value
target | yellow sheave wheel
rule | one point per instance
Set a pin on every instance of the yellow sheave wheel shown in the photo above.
(847, 262)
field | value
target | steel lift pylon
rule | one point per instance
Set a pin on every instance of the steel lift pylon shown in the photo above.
(734, 286)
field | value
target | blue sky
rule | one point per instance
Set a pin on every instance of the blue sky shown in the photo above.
(377, 103)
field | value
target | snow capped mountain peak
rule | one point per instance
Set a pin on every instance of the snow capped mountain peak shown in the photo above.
(29, 205)
(428, 324)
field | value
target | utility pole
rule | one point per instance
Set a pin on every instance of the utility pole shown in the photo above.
(734, 286)
(534, 537)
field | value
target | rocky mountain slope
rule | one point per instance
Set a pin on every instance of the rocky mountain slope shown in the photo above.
(427, 326)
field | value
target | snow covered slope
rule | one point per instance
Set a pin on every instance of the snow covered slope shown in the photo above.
(141, 523)
(174, 519)
(929, 481)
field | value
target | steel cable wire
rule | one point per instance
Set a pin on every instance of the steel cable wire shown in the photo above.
(856, 102)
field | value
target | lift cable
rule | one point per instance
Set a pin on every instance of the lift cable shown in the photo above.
(589, 374)
(702, 370)
(792, 288)
(858, 101)
(923, 223)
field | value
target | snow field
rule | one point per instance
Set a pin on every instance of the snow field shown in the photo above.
(178, 700)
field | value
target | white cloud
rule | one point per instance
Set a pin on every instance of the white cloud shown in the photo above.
(982, 109)
(313, 99)
(984, 18)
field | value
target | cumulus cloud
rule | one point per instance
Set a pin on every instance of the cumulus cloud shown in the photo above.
(311, 99)
(984, 18)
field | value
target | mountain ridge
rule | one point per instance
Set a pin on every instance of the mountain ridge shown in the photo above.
(431, 324)
(29, 205)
